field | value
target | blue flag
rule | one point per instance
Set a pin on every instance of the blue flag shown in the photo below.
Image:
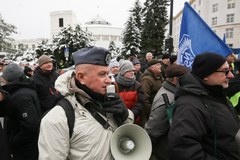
(197, 37)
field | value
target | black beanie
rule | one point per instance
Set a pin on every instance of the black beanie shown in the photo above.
(206, 63)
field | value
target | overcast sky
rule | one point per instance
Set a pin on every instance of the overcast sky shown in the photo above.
(32, 19)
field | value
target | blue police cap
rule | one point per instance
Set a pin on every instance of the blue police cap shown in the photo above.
(92, 55)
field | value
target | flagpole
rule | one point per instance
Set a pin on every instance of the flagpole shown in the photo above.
(171, 17)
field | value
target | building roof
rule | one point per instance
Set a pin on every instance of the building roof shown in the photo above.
(98, 21)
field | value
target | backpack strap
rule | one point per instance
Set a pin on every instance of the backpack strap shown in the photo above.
(170, 108)
(94, 113)
(69, 111)
(99, 118)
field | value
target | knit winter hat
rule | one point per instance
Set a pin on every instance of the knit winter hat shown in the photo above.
(135, 61)
(44, 59)
(125, 65)
(206, 63)
(152, 62)
(12, 72)
(113, 63)
(175, 70)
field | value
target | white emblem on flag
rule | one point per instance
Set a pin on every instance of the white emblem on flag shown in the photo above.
(185, 50)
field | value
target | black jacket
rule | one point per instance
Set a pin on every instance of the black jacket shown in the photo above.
(47, 94)
(23, 119)
(4, 151)
(202, 113)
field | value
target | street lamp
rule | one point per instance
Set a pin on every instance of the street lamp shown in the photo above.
(169, 41)
(66, 54)
(171, 17)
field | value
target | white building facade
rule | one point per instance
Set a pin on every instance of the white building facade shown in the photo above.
(61, 19)
(102, 31)
(223, 16)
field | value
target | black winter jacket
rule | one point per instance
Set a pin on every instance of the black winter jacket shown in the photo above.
(202, 114)
(4, 151)
(23, 119)
(47, 94)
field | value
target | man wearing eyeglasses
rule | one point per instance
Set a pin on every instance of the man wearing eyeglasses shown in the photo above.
(205, 125)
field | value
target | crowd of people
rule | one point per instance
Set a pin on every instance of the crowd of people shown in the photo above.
(187, 113)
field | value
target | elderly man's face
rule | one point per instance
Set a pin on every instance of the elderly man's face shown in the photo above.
(221, 77)
(156, 68)
(149, 56)
(94, 77)
(47, 67)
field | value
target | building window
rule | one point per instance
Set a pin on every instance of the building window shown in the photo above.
(105, 38)
(61, 22)
(229, 32)
(214, 21)
(230, 45)
(97, 37)
(230, 18)
(214, 7)
(113, 38)
(231, 4)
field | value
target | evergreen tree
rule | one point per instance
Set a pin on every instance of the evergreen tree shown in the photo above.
(155, 21)
(44, 47)
(137, 14)
(112, 46)
(132, 32)
(5, 32)
(70, 40)
(113, 49)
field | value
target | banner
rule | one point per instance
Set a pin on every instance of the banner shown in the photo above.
(197, 37)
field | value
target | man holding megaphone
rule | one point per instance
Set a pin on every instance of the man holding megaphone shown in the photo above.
(96, 113)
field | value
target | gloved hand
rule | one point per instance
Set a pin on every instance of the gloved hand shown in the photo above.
(115, 105)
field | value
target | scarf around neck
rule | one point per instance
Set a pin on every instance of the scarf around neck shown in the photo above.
(125, 81)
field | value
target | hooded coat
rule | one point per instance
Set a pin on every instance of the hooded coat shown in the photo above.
(205, 125)
(89, 140)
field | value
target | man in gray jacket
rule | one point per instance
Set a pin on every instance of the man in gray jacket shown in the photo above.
(158, 125)
(85, 89)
